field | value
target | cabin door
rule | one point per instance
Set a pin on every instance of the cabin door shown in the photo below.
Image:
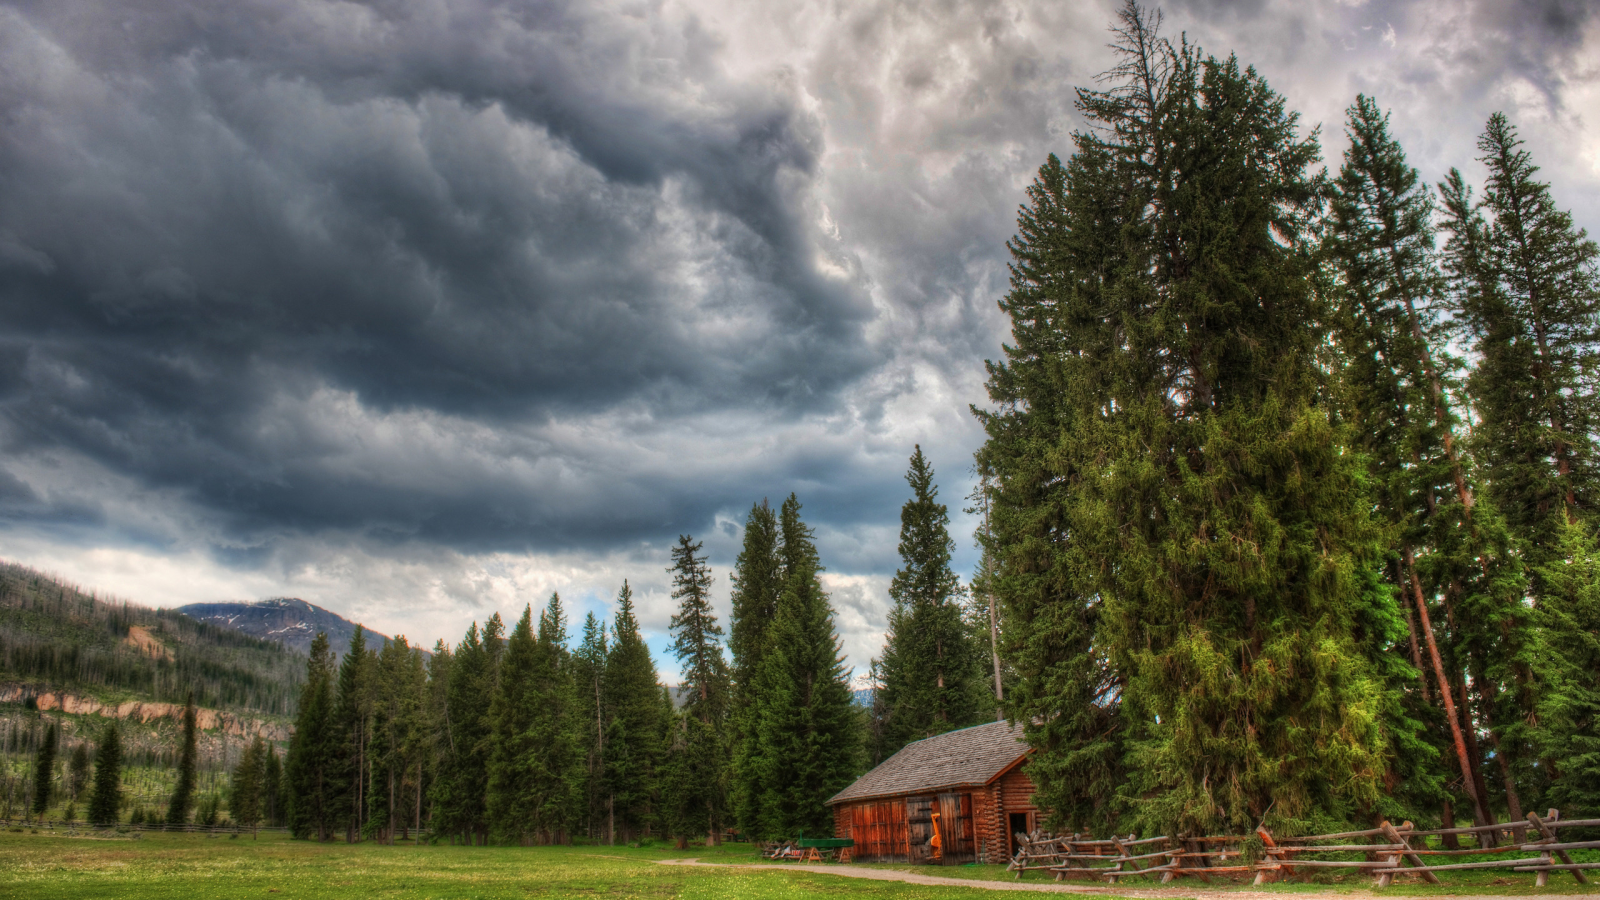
(955, 827)
(919, 828)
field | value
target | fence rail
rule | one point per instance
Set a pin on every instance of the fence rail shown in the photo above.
(1388, 850)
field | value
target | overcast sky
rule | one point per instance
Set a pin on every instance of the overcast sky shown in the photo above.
(422, 310)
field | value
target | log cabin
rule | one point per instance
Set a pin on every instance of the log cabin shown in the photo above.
(969, 787)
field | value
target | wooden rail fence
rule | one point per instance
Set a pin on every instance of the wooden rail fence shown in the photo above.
(1532, 846)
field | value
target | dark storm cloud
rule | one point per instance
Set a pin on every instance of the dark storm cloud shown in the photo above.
(236, 238)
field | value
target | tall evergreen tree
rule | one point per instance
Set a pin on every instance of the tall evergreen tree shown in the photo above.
(78, 768)
(1525, 288)
(248, 782)
(461, 786)
(183, 794)
(589, 665)
(272, 789)
(1528, 295)
(1567, 733)
(44, 766)
(105, 801)
(932, 680)
(757, 585)
(397, 731)
(352, 718)
(533, 764)
(635, 729)
(1450, 546)
(312, 769)
(807, 726)
(1198, 500)
(703, 759)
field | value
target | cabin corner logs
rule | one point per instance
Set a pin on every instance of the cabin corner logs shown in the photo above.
(953, 798)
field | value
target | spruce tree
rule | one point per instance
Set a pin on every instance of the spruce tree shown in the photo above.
(461, 786)
(78, 768)
(183, 794)
(1450, 546)
(1208, 515)
(397, 733)
(312, 769)
(248, 782)
(1524, 288)
(1567, 733)
(635, 729)
(272, 789)
(703, 755)
(589, 664)
(932, 681)
(1065, 693)
(757, 585)
(105, 801)
(533, 761)
(44, 764)
(807, 727)
(1529, 299)
(353, 723)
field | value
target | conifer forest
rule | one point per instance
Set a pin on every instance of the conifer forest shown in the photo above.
(1288, 514)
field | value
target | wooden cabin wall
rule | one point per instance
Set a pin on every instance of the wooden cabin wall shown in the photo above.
(878, 827)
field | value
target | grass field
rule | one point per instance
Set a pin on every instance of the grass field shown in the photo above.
(195, 867)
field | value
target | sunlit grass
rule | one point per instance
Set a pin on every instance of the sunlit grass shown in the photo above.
(196, 867)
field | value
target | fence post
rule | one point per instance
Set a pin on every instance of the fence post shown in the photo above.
(1549, 834)
(1405, 847)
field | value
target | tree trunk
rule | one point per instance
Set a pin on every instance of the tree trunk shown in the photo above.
(1444, 688)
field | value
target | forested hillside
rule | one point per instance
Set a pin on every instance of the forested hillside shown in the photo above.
(54, 636)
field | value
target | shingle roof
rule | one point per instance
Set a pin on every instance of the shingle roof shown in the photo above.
(971, 757)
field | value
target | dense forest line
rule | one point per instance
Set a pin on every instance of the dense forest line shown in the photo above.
(53, 635)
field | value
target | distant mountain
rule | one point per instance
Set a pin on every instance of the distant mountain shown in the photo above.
(290, 621)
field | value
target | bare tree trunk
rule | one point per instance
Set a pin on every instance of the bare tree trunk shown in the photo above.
(1444, 688)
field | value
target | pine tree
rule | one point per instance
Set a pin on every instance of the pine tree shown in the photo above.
(702, 758)
(807, 727)
(272, 789)
(1208, 516)
(352, 719)
(757, 585)
(1532, 290)
(461, 785)
(1065, 694)
(1450, 544)
(635, 729)
(1567, 734)
(248, 782)
(534, 761)
(105, 802)
(312, 769)
(44, 765)
(589, 664)
(78, 768)
(183, 794)
(396, 734)
(1525, 289)
(931, 667)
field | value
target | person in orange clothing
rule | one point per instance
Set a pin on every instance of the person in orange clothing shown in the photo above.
(934, 842)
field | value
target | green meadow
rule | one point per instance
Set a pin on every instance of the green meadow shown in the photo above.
(197, 867)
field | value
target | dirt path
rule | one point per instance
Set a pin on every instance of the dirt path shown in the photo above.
(1197, 892)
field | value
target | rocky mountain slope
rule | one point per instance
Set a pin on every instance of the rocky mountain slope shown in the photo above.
(290, 621)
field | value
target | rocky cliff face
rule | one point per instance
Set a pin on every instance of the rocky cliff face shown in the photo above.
(288, 620)
(144, 712)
